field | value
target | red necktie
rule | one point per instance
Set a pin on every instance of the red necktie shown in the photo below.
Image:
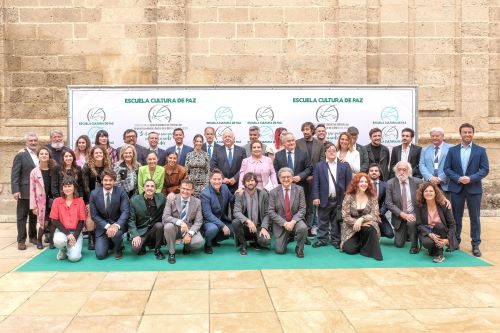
(288, 210)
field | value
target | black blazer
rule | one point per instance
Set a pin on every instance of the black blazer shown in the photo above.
(20, 174)
(447, 219)
(219, 161)
(413, 158)
(119, 209)
(204, 147)
(302, 166)
(143, 155)
(384, 160)
(381, 197)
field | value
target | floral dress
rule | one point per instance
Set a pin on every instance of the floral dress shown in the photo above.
(198, 169)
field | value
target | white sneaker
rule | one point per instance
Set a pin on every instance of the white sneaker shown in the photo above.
(314, 230)
(61, 255)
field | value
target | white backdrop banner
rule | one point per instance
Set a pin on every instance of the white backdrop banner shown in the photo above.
(163, 108)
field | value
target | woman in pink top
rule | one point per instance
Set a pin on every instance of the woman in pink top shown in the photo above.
(82, 150)
(261, 166)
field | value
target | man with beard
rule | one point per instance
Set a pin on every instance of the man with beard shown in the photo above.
(130, 137)
(378, 153)
(321, 133)
(400, 199)
(406, 151)
(56, 145)
(374, 174)
(251, 219)
(24, 162)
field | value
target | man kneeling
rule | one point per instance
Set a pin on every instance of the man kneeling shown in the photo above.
(250, 215)
(182, 219)
(144, 221)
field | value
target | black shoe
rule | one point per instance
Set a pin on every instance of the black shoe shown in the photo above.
(46, 239)
(243, 251)
(475, 251)
(336, 245)
(309, 234)
(51, 246)
(142, 251)
(119, 254)
(34, 241)
(39, 245)
(186, 249)
(208, 249)
(299, 252)
(414, 250)
(215, 244)
(307, 242)
(171, 258)
(291, 238)
(158, 254)
(319, 244)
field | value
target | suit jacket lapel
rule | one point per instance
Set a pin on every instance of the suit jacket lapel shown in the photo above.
(27, 155)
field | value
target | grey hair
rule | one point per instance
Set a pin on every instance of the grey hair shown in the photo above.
(30, 135)
(437, 129)
(254, 128)
(284, 169)
(55, 131)
(410, 169)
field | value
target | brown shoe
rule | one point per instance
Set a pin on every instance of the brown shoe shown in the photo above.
(33, 241)
(21, 246)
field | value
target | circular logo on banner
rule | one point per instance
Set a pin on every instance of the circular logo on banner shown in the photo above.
(390, 133)
(327, 113)
(264, 114)
(224, 114)
(219, 132)
(96, 114)
(93, 131)
(266, 134)
(159, 114)
(389, 114)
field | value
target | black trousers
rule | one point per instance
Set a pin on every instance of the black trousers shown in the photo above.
(153, 236)
(366, 242)
(386, 228)
(242, 234)
(24, 214)
(440, 230)
(328, 223)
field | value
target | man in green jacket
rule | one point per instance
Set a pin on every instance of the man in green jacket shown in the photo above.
(144, 222)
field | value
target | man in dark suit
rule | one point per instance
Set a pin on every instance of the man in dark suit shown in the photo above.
(406, 151)
(24, 162)
(250, 214)
(109, 208)
(374, 174)
(400, 199)
(466, 165)
(227, 159)
(330, 181)
(316, 152)
(253, 136)
(209, 145)
(363, 154)
(130, 137)
(378, 153)
(215, 201)
(153, 140)
(183, 220)
(144, 221)
(287, 209)
(180, 148)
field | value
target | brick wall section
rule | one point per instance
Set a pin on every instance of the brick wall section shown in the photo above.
(450, 48)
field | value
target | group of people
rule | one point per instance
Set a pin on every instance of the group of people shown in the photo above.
(292, 190)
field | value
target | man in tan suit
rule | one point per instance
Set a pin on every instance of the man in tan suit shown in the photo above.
(182, 219)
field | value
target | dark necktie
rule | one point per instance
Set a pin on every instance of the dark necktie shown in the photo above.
(436, 160)
(288, 209)
(108, 202)
(178, 154)
(376, 187)
(403, 197)
(289, 160)
(230, 157)
(184, 210)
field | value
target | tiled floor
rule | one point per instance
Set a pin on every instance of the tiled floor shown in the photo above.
(343, 300)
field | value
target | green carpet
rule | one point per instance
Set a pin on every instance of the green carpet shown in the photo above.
(227, 257)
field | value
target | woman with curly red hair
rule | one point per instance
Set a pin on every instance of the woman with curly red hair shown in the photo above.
(360, 232)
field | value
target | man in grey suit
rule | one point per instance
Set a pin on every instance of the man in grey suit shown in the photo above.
(401, 201)
(250, 214)
(363, 154)
(287, 208)
(253, 136)
(182, 219)
(25, 161)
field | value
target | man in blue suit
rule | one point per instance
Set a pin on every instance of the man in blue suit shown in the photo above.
(180, 148)
(374, 174)
(209, 145)
(215, 201)
(432, 159)
(109, 208)
(330, 180)
(466, 165)
(228, 159)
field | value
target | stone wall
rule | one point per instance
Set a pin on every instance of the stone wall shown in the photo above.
(450, 48)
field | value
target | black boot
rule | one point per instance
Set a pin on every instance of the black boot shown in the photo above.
(39, 244)
(52, 228)
(91, 238)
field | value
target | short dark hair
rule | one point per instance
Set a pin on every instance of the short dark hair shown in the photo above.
(198, 136)
(375, 165)
(127, 131)
(248, 176)
(308, 124)
(187, 181)
(321, 125)
(216, 171)
(465, 125)
(374, 130)
(178, 129)
(409, 130)
(108, 172)
(328, 144)
(69, 180)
